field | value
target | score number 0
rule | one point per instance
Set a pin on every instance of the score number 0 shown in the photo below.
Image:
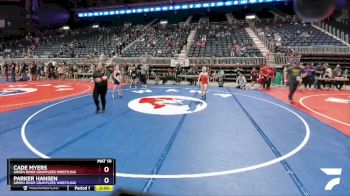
(106, 179)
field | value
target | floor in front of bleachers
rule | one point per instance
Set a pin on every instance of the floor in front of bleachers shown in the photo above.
(234, 143)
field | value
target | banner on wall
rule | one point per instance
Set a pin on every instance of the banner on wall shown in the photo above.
(179, 62)
(2, 23)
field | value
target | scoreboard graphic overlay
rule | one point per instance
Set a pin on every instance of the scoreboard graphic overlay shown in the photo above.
(61, 174)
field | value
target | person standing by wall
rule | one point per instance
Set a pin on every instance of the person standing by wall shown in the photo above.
(60, 72)
(221, 76)
(272, 75)
(6, 71)
(33, 71)
(265, 73)
(254, 75)
(13, 72)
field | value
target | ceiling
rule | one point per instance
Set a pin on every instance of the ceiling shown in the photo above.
(83, 4)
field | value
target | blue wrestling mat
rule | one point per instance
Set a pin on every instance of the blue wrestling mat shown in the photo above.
(167, 141)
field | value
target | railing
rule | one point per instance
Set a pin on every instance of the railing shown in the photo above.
(309, 49)
(47, 60)
(269, 44)
(344, 36)
(228, 61)
(224, 61)
(138, 60)
(282, 59)
(322, 50)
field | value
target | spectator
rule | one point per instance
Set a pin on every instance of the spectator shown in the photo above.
(60, 72)
(6, 71)
(266, 76)
(221, 76)
(13, 72)
(308, 80)
(254, 75)
(319, 71)
(214, 76)
(33, 71)
(337, 73)
(328, 74)
(241, 81)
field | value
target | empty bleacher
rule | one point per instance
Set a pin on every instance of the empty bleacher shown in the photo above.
(159, 41)
(219, 40)
(287, 34)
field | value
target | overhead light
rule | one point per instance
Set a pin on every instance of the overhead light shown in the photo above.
(65, 27)
(250, 17)
(219, 3)
(198, 5)
(163, 22)
(182, 6)
(228, 3)
(95, 26)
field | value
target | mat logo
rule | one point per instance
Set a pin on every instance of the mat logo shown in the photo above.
(16, 91)
(332, 172)
(167, 105)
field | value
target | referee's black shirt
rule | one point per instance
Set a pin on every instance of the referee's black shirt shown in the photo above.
(100, 74)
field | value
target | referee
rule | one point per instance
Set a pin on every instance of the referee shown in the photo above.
(100, 89)
(293, 78)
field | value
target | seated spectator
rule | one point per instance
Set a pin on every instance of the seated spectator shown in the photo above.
(337, 73)
(328, 74)
(241, 81)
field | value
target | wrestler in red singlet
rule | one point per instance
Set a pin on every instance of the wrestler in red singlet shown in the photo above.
(203, 78)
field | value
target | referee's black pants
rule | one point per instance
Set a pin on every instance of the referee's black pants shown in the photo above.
(100, 91)
(143, 79)
(267, 83)
(293, 85)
